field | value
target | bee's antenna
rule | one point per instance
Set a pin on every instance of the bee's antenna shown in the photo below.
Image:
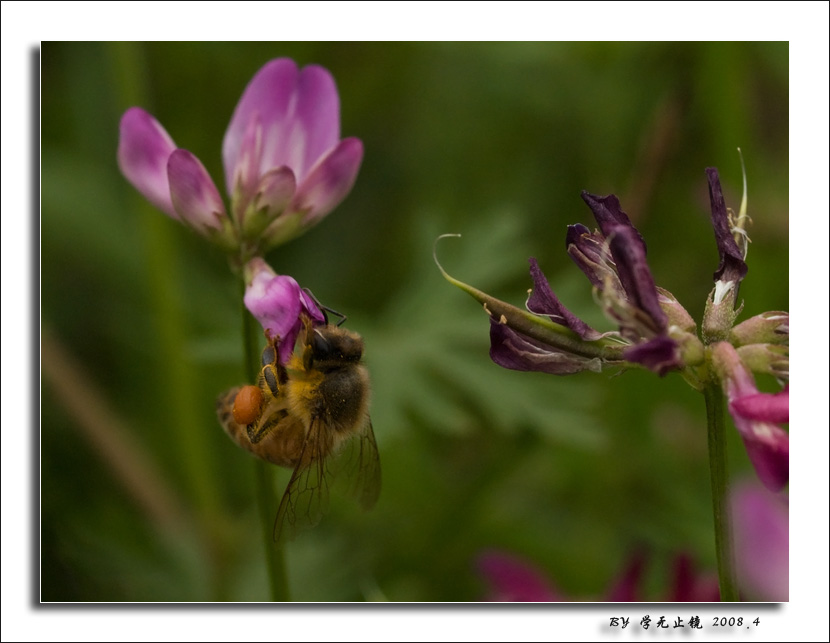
(325, 309)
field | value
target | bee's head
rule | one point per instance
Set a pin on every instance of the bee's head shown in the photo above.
(330, 347)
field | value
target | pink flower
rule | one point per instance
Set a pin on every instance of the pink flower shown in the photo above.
(278, 304)
(756, 416)
(761, 528)
(511, 579)
(285, 165)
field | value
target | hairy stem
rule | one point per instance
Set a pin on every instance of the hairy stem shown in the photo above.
(719, 477)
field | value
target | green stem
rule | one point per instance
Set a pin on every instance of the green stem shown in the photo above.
(264, 476)
(719, 477)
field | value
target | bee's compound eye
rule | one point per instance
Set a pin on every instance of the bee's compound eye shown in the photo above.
(247, 405)
(320, 347)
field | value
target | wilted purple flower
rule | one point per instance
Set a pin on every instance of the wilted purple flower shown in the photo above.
(614, 260)
(732, 267)
(731, 239)
(285, 165)
(513, 350)
(762, 542)
(756, 417)
(278, 304)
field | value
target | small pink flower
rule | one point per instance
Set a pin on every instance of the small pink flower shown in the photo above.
(512, 579)
(756, 416)
(285, 165)
(278, 304)
(761, 527)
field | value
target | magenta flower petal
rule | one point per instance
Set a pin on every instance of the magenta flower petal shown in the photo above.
(513, 580)
(766, 407)
(767, 444)
(317, 127)
(625, 588)
(299, 112)
(768, 448)
(762, 543)
(193, 192)
(278, 304)
(329, 181)
(274, 300)
(691, 587)
(143, 150)
(276, 187)
(268, 99)
(246, 171)
(310, 308)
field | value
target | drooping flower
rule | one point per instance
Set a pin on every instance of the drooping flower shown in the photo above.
(756, 416)
(516, 351)
(285, 164)
(278, 304)
(762, 542)
(614, 260)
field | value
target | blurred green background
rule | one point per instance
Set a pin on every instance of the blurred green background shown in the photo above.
(143, 497)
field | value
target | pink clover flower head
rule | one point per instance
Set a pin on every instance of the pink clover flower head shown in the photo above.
(762, 542)
(279, 305)
(285, 165)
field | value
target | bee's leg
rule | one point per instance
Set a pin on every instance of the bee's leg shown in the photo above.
(257, 431)
(325, 309)
(272, 378)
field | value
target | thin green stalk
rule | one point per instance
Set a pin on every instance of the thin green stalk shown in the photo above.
(264, 477)
(719, 477)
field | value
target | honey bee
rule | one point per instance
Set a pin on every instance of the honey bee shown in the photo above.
(310, 415)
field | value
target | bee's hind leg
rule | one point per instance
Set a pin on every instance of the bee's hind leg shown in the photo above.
(260, 430)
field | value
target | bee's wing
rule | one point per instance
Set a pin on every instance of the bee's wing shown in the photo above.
(306, 498)
(358, 465)
(355, 463)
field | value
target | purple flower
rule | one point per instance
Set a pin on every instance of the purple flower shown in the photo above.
(756, 417)
(285, 165)
(614, 260)
(732, 267)
(278, 304)
(511, 579)
(516, 351)
(762, 542)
